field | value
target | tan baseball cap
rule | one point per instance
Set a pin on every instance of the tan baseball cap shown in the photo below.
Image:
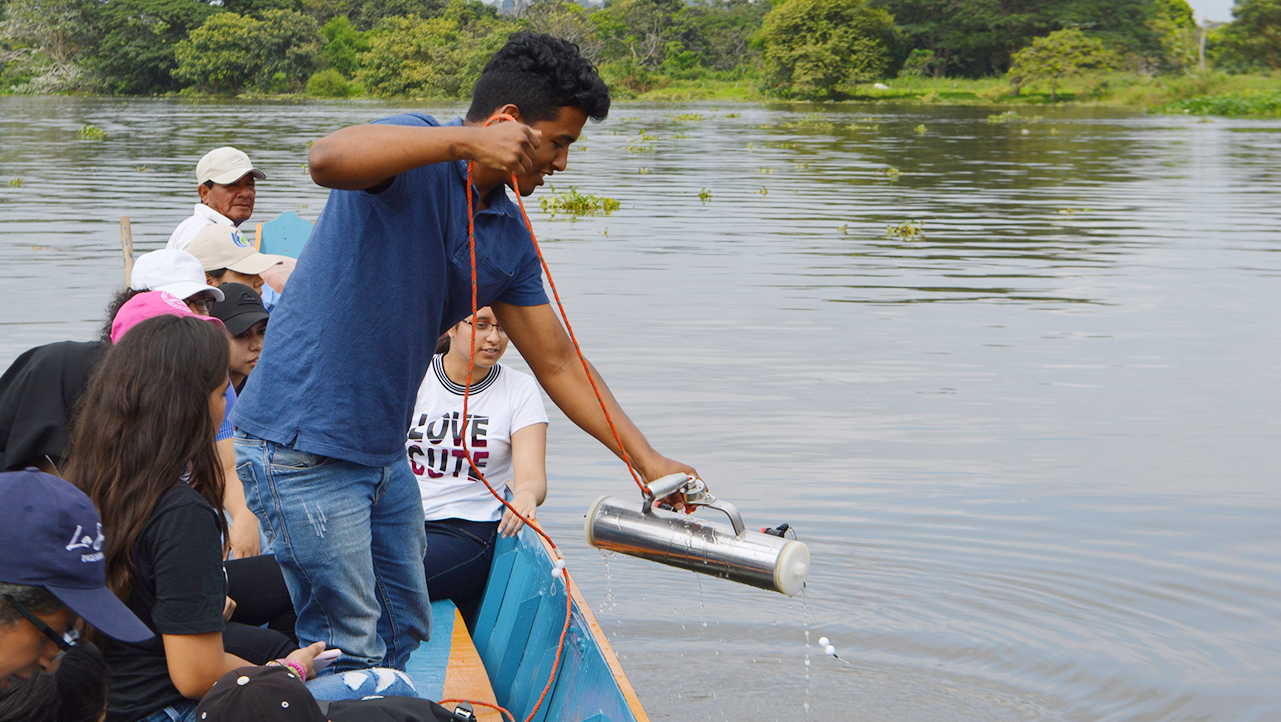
(224, 166)
(220, 246)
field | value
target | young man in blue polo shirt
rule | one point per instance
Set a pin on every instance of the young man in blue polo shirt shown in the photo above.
(322, 421)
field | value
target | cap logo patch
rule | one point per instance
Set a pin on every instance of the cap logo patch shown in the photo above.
(80, 540)
(239, 240)
(173, 300)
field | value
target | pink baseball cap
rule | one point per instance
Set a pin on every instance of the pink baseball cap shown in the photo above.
(150, 305)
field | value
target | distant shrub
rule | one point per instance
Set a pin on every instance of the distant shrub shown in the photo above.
(818, 49)
(328, 83)
(1232, 104)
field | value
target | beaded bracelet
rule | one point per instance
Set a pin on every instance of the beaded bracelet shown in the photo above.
(297, 667)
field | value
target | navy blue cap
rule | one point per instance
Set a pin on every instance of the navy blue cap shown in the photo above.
(51, 537)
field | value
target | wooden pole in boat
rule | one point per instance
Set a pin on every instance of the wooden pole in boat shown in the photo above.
(126, 246)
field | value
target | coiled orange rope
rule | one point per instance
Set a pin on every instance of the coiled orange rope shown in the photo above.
(471, 365)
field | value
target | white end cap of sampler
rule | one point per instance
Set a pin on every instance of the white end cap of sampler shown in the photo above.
(792, 568)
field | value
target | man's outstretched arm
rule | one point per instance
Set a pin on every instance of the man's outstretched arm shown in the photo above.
(364, 156)
(546, 347)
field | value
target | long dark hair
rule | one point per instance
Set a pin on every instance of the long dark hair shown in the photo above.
(143, 423)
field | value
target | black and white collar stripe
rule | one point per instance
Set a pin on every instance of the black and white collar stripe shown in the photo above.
(438, 366)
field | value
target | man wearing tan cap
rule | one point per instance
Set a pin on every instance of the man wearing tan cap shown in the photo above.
(226, 179)
(228, 257)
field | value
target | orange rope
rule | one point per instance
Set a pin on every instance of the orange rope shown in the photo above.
(471, 366)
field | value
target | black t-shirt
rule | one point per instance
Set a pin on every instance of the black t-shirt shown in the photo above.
(37, 394)
(178, 588)
(386, 709)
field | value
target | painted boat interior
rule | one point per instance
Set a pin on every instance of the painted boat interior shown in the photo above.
(517, 629)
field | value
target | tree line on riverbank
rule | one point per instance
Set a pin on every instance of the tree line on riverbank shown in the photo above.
(791, 49)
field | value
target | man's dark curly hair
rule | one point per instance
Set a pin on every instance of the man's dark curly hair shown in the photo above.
(539, 74)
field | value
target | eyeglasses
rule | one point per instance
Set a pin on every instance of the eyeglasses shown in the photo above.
(202, 304)
(482, 327)
(64, 641)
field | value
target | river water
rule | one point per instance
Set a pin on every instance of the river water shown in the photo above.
(1033, 450)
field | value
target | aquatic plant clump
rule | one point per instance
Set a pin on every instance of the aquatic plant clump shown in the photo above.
(91, 132)
(577, 204)
(1246, 103)
(907, 230)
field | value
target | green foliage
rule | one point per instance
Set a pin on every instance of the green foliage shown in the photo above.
(577, 204)
(630, 77)
(638, 30)
(567, 20)
(258, 7)
(976, 38)
(135, 50)
(328, 83)
(1253, 40)
(817, 49)
(344, 43)
(91, 132)
(1056, 56)
(45, 41)
(919, 63)
(230, 53)
(435, 57)
(15, 183)
(1245, 104)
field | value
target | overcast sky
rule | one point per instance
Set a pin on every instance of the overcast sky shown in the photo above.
(1212, 9)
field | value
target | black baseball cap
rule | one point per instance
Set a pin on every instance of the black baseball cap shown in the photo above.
(259, 693)
(51, 537)
(240, 308)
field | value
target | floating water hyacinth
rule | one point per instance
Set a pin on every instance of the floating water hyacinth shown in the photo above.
(91, 132)
(705, 195)
(577, 204)
(889, 172)
(15, 183)
(907, 230)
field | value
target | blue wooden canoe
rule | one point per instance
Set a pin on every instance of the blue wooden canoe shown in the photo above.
(510, 658)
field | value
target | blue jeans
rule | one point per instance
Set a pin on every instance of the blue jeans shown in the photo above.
(361, 684)
(350, 542)
(180, 712)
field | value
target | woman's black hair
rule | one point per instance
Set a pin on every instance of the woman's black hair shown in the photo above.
(217, 273)
(82, 682)
(120, 298)
(34, 699)
(142, 424)
(442, 344)
(539, 74)
(77, 692)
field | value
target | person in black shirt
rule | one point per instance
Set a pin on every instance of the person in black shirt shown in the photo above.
(142, 448)
(37, 395)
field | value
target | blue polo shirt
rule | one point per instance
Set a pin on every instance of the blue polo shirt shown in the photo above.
(381, 277)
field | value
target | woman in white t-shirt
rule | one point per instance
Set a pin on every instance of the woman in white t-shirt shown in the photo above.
(507, 436)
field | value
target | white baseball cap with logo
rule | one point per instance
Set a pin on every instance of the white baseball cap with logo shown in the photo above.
(175, 272)
(219, 246)
(224, 166)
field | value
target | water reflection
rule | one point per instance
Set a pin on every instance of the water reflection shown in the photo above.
(1033, 450)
